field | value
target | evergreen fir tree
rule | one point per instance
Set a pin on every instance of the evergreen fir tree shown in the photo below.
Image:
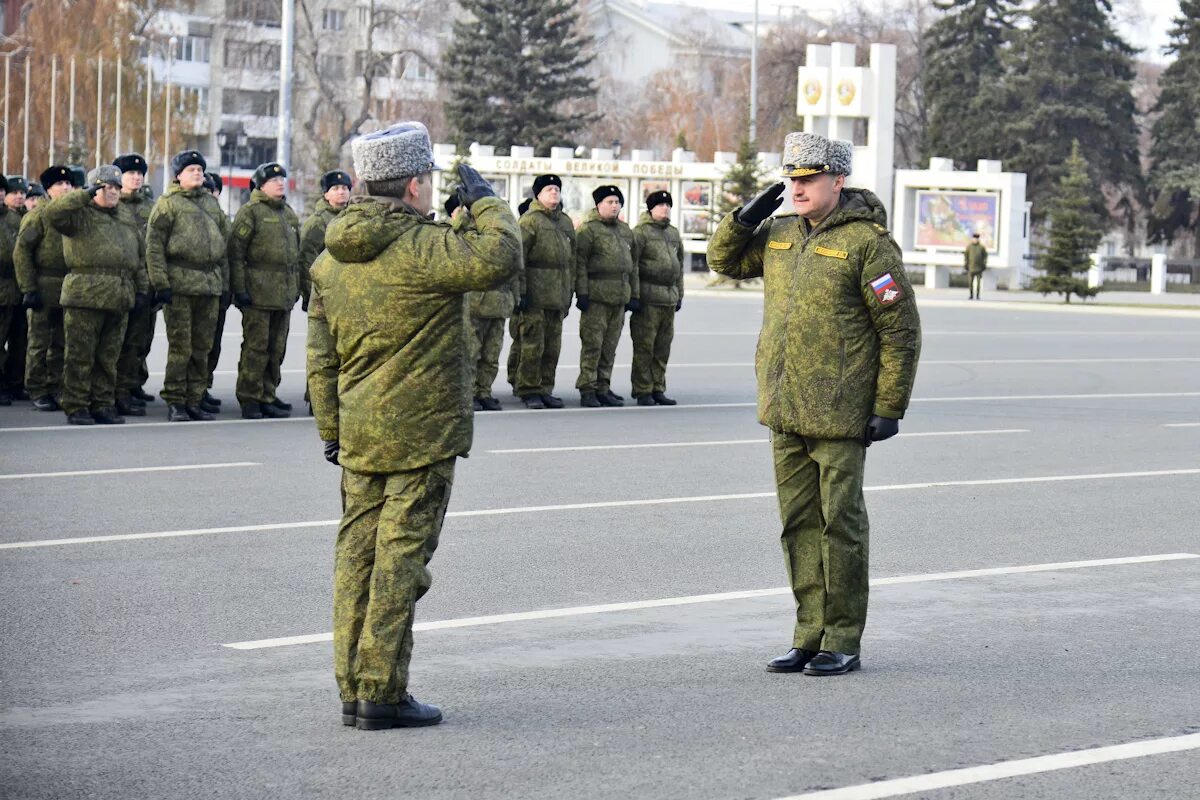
(1069, 77)
(1075, 232)
(1175, 147)
(962, 59)
(744, 179)
(516, 73)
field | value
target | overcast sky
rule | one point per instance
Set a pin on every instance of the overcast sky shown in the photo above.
(1144, 23)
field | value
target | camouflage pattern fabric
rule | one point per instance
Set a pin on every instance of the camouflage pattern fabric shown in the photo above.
(537, 346)
(10, 294)
(389, 369)
(312, 241)
(264, 253)
(93, 343)
(132, 370)
(264, 340)
(652, 330)
(104, 252)
(606, 258)
(44, 355)
(185, 243)
(189, 320)
(975, 258)
(660, 262)
(825, 538)
(38, 257)
(388, 535)
(548, 244)
(841, 335)
(599, 333)
(488, 342)
(514, 350)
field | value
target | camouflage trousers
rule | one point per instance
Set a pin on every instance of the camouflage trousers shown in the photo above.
(264, 343)
(214, 354)
(514, 350)
(93, 344)
(599, 332)
(14, 331)
(132, 372)
(389, 531)
(825, 537)
(975, 279)
(44, 356)
(190, 320)
(488, 342)
(538, 345)
(652, 330)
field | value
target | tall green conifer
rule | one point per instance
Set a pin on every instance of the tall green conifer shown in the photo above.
(1075, 232)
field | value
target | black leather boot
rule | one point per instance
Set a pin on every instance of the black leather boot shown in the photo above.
(408, 713)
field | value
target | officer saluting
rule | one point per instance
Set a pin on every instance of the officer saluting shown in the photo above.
(836, 360)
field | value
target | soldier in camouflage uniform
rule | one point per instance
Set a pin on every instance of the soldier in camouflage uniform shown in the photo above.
(544, 290)
(41, 268)
(514, 349)
(836, 361)
(389, 372)
(335, 189)
(105, 256)
(214, 186)
(12, 376)
(264, 268)
(660, 275)
(35, 195)
(11, 314)
(185, 255)
(132, 370)
(606, 286)
(975, 262)
(16, 189)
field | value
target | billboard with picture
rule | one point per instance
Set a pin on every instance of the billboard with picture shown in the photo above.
(946, 220)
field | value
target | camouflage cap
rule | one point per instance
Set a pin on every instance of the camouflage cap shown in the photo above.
(104, 174)
(811, 154)
(402, 150)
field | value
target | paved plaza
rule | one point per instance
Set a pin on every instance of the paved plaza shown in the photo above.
(609, 587)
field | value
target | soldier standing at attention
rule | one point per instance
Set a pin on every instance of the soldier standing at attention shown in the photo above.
(660, 274)
(975, 261)
(41, 269)
(389, 372)
(335, 188)
(16, 190)
(214, 186)
(185, 255)
(543, 293)
(264, 269)
(105, 256)
(836, 360)
(514, 348)
(35, 195)
(606, 285)
(132, 371)
(12, 315)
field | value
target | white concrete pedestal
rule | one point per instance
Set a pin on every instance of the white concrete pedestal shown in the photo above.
(1158, 273)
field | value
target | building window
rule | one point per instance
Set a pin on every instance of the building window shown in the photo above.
(252, 55)
(264, 13)
(861, 133)
(245, 101)
(195, 48)
(364, 16)
(333, 19)
(380, 67)
(332, 67)
(416, 69)
(193, 99)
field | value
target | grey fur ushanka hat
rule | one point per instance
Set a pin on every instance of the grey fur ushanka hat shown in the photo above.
(402, 150)
(811, 154)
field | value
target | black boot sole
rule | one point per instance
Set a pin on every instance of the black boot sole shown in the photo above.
(786, 669)
(821, 673)
(387, 723)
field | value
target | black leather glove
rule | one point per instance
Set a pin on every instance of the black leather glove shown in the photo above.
(140, 301)
(474, 186)
(242, 300)
(633, 305)
(761, 206)
(523, 303)
(582, 301)
(91, 189)
(880, 428)
(162, 297)
(32, 301)
(304, 304)
(332, 449)
(679, 305)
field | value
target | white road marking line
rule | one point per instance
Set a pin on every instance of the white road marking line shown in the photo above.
(136, 425)
(898, 787)
(655, 445)
(1182, 425)
(179, 468)
(496, 512)
(637, 605)
(1097, 396)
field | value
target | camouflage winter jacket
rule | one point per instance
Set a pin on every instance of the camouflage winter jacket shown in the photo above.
(498, 303)
(103, 250)
(10, 223)
(606, 259)
(389, 367)
(264, 253)
(312, 241)
(185, 243)
(660, 261)
(548, 242)
(39, 257)
(841, 335)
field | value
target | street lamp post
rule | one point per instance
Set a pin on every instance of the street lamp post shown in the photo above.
(167, 114)
(754, 78)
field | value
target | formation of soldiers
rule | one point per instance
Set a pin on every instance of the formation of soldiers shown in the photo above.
(88, 262)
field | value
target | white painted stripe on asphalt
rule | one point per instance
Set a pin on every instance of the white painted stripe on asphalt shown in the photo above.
(1097, 396)
(495, 512)
(654, 445)
(1182, 425)
(190, 425)
(637, 605)
(898, 787)
(81, 472)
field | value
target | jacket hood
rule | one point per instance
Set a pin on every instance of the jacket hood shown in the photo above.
(175, 188)
(365, 229)
(646, 219)
(594, 216)
(534, 205)
(857, 205)
(262, 197)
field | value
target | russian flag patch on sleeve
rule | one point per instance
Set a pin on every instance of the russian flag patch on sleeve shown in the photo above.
(885, 289)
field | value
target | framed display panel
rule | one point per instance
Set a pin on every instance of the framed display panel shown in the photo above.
(946, 220)
(577, 197)
(649, 187)
(697, 194)
(696, 223)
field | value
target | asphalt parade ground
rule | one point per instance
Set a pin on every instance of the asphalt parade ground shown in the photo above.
(609, 587)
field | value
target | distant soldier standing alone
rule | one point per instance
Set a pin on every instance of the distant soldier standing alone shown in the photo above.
(660, 275)
(836, 360)
(975, 261)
